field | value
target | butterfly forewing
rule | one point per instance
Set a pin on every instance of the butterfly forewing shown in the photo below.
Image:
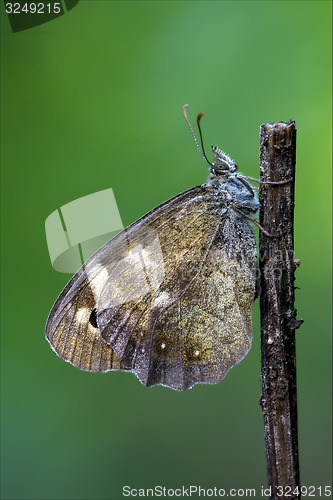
(171, 295)
(74, 337)
(69, 329)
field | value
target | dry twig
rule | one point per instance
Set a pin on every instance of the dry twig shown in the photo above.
(278, 315)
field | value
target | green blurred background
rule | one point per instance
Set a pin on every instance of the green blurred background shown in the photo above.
(93, 100)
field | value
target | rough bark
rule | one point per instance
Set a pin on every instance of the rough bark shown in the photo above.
(278, 315)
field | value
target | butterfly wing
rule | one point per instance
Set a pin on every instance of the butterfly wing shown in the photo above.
(71, 327)
(173, 296)
(71, 332)
(195, 323)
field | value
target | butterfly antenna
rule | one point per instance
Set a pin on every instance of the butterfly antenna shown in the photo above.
(203, 154)
(200, 115)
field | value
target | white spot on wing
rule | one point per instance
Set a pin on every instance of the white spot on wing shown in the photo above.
(82, 315)
(97, 283)
(162, 300)
(135, 275)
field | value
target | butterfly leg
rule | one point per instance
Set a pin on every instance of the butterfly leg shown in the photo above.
(254, 222)
(240, 177)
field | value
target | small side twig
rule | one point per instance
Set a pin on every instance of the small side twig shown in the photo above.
(278, 316)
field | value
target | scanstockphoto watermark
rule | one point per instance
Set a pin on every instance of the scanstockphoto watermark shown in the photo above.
(260, 492)
(188, 491)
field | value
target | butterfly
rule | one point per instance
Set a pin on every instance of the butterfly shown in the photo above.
(170, 297)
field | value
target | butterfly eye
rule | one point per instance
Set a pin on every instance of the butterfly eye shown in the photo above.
(93, 318)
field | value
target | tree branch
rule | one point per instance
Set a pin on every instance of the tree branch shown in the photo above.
(277, 265)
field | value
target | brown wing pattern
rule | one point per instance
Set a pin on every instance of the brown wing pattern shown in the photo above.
(74, 338)
(194, 330)
(173, 295)
(69, 330)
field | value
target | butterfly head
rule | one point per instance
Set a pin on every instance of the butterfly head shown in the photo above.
(223, 165)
